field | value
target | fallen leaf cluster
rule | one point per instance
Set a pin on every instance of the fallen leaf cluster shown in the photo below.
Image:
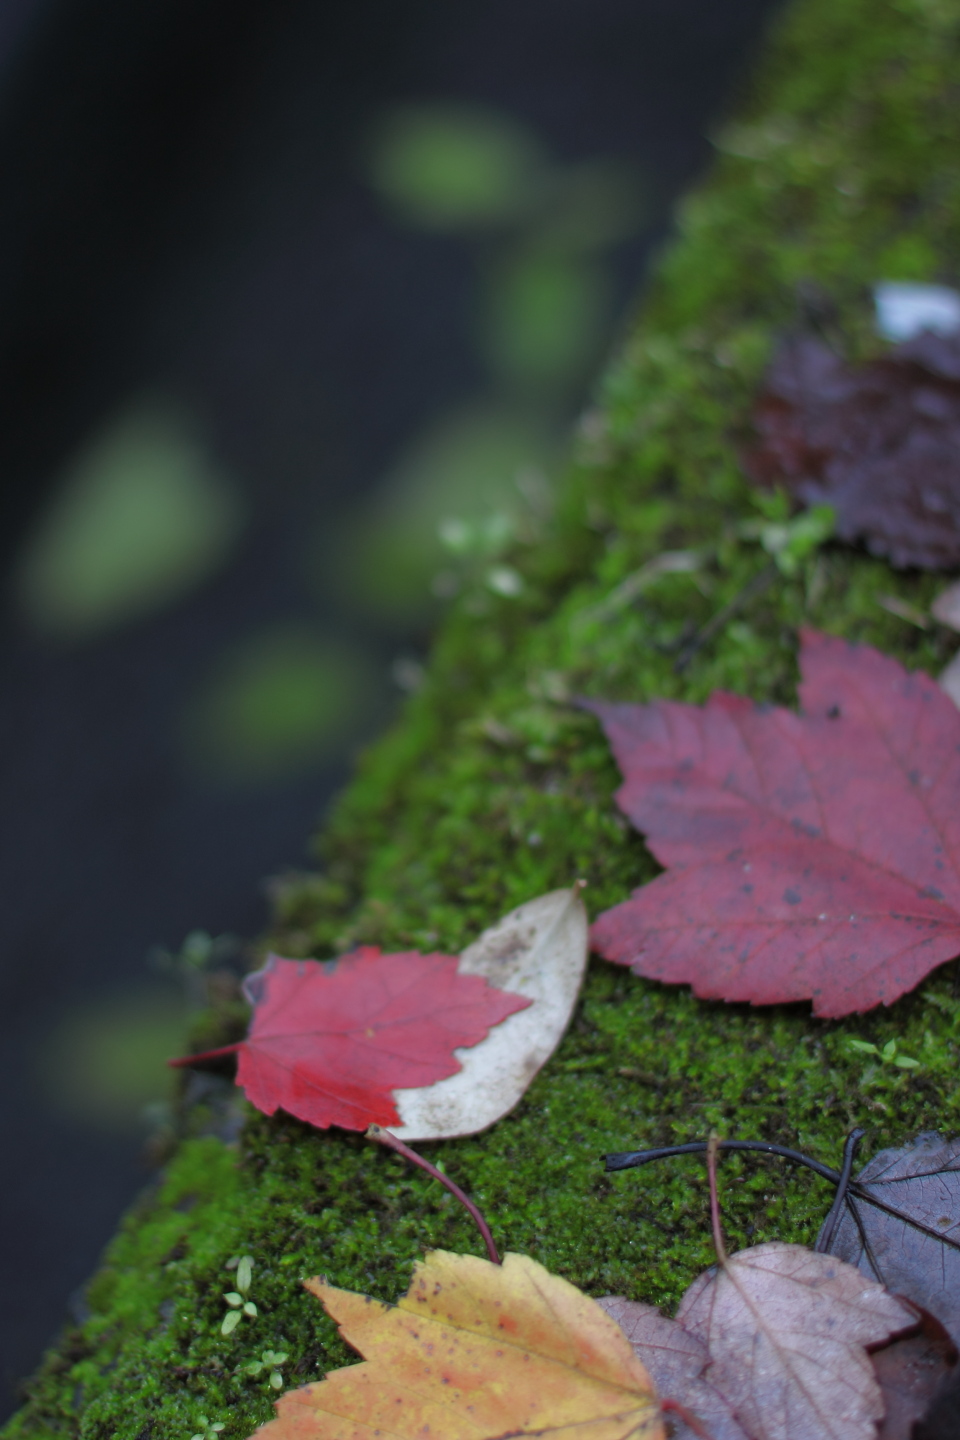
(769, 1346)
(879, 442)
(811, 855)
(780, 1335)
(808, 856)
(778, 1342)
(898, 1223)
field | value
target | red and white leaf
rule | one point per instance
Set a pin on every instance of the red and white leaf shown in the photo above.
(331, 1043)
(539, 953)
(430, 1046)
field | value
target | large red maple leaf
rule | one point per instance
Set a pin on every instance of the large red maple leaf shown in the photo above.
(330, 1042)
(808, 856)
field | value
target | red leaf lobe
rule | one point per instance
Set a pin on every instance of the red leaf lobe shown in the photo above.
(809, 856)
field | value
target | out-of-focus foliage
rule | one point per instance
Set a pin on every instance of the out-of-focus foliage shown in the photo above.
(450, 167)
(104, 1062)
(541, 234)
(543, 311)
(141, 516)
(281, 701)
(461, 471)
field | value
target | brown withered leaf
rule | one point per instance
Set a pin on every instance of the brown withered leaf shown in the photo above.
(675, 1361)
(916, 1250)
(912, 1373)
(786, 1329)
(880, 442)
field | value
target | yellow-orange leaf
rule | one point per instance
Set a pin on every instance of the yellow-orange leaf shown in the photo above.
(474, 1351)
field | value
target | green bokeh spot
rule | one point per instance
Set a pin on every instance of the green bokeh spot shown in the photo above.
(543, 317)
(463, 467)
(140, 517)
(104, 1063)
(450, 167)
(279, 703)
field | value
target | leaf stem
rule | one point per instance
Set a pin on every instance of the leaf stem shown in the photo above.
(843, 1184)
(384, 1137)
(628, 1159)
(713, 1145)
(184, 1060)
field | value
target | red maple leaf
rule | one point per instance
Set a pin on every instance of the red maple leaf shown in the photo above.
(330, 1042)
(811, 856)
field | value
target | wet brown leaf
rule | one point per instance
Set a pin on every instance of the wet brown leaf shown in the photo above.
(675, 1361)
(912, 1373)
(942, 1421)
(786, 1329)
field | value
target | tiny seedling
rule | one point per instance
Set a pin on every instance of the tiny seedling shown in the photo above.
(208, 1431)
(271, 1360)
(239, 1299)
(788, 540)
(888, 1053)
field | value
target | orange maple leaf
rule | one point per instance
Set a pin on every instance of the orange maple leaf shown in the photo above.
(475, 1351)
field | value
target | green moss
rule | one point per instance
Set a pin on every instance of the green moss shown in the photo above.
(840, 171)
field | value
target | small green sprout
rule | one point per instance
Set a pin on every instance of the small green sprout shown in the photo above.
(888, 1054)
(207, 1431)
(789, 541)
(239, 1299)
(271, 1360)
(792, 543)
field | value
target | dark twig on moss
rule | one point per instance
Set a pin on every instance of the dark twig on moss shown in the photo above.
(384, 1137)
(631, 1159)
(843, 1186)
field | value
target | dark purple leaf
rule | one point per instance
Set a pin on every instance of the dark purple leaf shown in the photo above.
(916, 1251)
(879, 442)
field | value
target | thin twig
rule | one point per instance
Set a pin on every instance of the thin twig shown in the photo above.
(384, 1137)
(628, 1159)
(750, 591)
(843, 1184)
(183, 1061)
(713, 1145)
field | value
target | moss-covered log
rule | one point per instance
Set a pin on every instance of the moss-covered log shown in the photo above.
(841, 170)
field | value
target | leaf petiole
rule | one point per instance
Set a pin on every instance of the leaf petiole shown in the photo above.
(843, 1185)
(713, 1145)
(384, 1137)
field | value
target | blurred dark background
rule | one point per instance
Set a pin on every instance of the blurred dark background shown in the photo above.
(296, 303)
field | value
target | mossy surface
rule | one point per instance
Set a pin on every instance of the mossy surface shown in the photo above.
(841, 170)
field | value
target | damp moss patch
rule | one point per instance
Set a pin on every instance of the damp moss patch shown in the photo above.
(839, 171)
